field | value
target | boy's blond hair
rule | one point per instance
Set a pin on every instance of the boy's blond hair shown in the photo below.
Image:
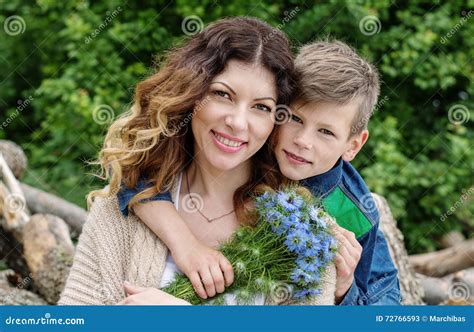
(331, 71)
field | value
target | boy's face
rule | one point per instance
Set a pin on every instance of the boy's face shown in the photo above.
(317, 135)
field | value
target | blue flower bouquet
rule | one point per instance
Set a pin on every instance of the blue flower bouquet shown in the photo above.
(291, 244)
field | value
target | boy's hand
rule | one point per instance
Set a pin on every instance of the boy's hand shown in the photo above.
(208, 270)
(347, 258)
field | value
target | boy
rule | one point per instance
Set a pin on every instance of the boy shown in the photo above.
(327, 128)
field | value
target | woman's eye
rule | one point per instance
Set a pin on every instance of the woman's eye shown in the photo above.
(326, 132)
(222, 94)
(296, 119)
(263, 107)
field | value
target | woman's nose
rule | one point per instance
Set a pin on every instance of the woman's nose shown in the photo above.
(238, 119)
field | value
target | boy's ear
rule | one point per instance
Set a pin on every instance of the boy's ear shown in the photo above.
(355, 143)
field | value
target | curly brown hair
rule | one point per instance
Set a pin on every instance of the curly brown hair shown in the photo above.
(144, 142)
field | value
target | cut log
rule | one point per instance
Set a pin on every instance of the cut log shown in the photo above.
(410, 288)
(46, 241)
(49, 252)
(14, 156)
(39, 201)
(12, 200)
(454, 289)
(16, 293)
(11, 252)
(446, 261)
(451, 239)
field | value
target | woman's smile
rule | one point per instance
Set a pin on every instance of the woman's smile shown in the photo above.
(227, 143)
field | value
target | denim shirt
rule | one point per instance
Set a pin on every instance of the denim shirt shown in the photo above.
(346, 197)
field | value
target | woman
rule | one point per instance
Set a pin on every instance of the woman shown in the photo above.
(227, 79)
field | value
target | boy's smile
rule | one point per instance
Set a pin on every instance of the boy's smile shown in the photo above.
(295, 159)
(317, 135)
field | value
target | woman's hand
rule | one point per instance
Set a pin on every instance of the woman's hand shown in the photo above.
(141, 295)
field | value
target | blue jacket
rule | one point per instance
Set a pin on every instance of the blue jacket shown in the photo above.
(346, 197)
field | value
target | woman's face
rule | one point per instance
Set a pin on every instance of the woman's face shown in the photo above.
(234, 120)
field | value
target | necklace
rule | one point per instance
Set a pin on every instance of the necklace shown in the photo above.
(198, 210)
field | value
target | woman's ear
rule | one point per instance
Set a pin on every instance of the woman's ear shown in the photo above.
(355, 144)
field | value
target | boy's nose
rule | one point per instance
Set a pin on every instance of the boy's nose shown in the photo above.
(303, 141)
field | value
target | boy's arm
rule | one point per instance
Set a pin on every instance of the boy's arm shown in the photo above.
(125, 195)
(376, 280)
(207, 269)
(201, 264)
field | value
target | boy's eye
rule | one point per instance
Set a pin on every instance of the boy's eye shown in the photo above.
(222, 94)
(263, 107)
(295, 118)
(326, 132)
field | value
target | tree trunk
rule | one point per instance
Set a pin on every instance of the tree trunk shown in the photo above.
(410, 288)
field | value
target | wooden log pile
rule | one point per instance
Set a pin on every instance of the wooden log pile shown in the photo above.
(35, 235)
(441, 277)
(447, 275)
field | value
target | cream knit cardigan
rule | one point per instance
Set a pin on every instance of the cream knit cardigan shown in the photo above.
(113, 248)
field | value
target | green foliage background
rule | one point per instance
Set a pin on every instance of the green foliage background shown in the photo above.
(416, 157)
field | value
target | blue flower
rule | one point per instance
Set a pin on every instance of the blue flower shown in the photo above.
(273, 215)
(298, 201)
(302, 227)
(317, 216)
(268, 205)
(308, 264)
(305, 293)
(282, 197)
(301, 294)
(296, 240)
(300, 276)
(313, 247)
(284, 200)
